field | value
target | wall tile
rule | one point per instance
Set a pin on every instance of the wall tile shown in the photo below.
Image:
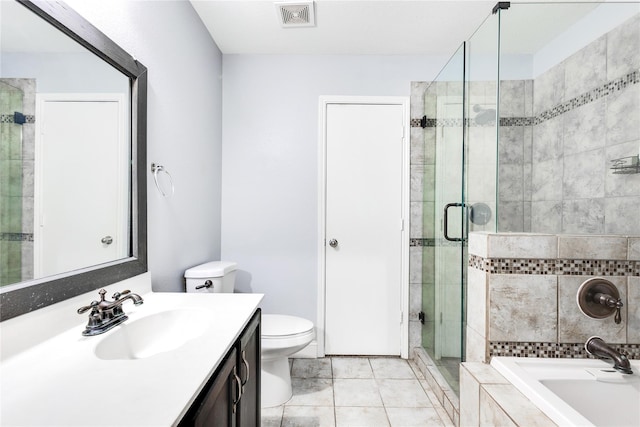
(547, 140)
(623, 108)
(417, 146)
(510, 182)
(491, 414)
(417, 98)
(634, 248)
(584, 128)
(429, 146)
(622, 215)
(476, 347)
(479, 244)
(477, 301)
(523, 308)
(511, 217)
(428, 219)
(546, 180)
(511, 144)
(485, 373)
(415, 264)
(416, 184)
(588, 247)
(548, 89)
(580, 78)
(512, 99)
(415, 300)
(575, 326)
(633, 309)
(415, 221)
(522, 246)
(623, 45)
(583, 216)
(583, 175)
(429, 186)
(520, 409)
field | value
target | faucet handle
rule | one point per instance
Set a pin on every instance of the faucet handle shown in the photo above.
(618, 316)
(117, 295)
(93, 305)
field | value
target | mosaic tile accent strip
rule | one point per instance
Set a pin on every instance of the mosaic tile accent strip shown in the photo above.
(608, 88)
(16, 237)
(559, 267)
(415, 123)
(9, 118)
(431, 242)
(517, 121)
(553, 350)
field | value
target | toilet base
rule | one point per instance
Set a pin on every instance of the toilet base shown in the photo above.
(276, 382)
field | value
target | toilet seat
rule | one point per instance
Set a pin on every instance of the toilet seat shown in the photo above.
(279, 326)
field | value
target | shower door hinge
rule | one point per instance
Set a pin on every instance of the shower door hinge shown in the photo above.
(501, 5)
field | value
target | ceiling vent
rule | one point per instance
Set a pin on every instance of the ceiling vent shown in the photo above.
(296, 14)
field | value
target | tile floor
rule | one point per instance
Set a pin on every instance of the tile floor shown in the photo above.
(357, 391)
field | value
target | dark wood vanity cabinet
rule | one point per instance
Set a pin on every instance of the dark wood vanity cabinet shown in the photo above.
(232, 395)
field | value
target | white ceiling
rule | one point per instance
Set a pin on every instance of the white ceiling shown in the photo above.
(392, 27)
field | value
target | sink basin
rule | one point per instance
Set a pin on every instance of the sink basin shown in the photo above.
(153, 334)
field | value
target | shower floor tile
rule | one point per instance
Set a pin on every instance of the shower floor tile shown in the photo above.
(357, 391)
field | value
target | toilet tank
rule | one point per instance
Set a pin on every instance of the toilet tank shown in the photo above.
(215, 276)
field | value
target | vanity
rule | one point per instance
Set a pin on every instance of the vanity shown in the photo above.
(188, 359)
(179, 359)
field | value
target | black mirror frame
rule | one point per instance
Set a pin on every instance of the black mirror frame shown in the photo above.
(40, 293)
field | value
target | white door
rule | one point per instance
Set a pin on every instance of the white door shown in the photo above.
(80, 195)
(364, 215)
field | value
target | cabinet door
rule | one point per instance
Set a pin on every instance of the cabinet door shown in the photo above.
(248, 411)
(216, 406)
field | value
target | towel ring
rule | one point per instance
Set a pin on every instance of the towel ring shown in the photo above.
(156, 169)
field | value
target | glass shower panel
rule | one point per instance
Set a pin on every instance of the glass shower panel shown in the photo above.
(11, 101)
(480, 152)
(442, 286)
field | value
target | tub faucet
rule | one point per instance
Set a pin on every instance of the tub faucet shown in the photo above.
(105, 314)
(598, 348)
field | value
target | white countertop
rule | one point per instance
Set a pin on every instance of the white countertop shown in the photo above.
(61, 382)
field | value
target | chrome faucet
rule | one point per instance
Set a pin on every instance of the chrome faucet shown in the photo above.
(598, 348)
(107, 314)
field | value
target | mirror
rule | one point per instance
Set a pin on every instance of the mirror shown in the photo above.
(73, 155)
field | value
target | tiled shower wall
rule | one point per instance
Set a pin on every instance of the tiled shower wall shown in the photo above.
(17, 157)
(559, 134)
(522, 294)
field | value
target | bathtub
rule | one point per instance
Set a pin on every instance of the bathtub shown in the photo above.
(576, 392)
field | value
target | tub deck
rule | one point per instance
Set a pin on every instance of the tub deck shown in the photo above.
(576, 392)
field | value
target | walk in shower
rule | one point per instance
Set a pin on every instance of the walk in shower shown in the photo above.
(533, 126)
(17, 104)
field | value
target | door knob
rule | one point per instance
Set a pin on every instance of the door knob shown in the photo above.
(333, 243)
(107, 240)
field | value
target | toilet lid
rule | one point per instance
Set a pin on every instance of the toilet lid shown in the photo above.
(279, 325)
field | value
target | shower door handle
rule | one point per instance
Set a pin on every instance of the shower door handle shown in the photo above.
(107, 240)
(333, 243)
(446, 225)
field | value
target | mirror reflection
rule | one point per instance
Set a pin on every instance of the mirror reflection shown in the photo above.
(65, 152)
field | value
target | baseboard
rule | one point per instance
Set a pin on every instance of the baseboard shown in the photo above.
(309, 352)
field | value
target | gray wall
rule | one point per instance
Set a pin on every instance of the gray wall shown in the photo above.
(184, 126)
(270, 170)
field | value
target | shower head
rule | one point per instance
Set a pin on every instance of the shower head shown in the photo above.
(484, 116)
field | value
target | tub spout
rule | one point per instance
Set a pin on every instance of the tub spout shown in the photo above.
(598, 348)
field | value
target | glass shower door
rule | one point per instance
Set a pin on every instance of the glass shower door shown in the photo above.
(443, 303)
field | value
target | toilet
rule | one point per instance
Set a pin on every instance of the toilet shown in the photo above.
(281, 335)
